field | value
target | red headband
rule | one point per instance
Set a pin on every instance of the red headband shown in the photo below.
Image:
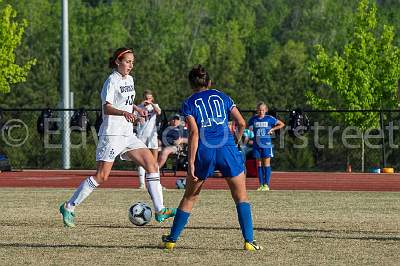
(124, 52)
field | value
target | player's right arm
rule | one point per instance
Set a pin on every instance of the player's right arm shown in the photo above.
(107, 97)
(193, 142)
(110, 110)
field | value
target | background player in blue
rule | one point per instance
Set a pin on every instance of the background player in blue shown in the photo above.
(263, 126)
(211, 146)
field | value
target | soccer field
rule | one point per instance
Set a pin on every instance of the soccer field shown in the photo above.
(295, 227)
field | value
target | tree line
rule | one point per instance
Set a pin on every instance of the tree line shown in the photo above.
(254, 50)
(288, 53)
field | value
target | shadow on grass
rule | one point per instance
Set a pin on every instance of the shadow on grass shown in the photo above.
(376, 238)
(39, 245)
(257, 229)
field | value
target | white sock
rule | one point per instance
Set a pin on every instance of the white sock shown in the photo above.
(155, 190)
(142, 174)
(82, 192)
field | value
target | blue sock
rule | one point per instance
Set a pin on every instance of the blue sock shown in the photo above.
(260, 175)
(180, 220)
(245, 220)
(267, 175)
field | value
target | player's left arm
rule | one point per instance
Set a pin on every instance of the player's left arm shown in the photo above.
(278, 125)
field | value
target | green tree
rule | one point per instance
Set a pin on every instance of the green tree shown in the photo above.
(363, 76)
(11, 32)
(285, 71)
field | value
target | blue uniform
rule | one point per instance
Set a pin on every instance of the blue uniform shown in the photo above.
(216, 149)
(262, 144)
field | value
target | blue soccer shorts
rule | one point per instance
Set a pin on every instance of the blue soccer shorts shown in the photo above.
(226, 159)
(260, 153)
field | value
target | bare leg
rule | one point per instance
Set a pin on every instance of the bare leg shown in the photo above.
(145, 158)
(88, 185)
(237, 185)
(192, 192)
(191, 195)
(165, 152)
(266, 161)
(103, 171)
(155, 153)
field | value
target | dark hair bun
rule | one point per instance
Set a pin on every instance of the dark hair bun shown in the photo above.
(198, 77)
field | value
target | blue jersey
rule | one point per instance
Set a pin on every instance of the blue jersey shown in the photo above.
(261, 127)
(210, 109)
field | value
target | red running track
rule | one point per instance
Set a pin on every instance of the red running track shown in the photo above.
(279, 180)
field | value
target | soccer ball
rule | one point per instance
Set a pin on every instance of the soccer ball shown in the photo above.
(140, 213)
(181, 183)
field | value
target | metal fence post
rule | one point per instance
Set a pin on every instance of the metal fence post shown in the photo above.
(383, 140)
(65, 88)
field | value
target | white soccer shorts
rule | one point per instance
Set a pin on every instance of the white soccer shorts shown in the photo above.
(109, 147)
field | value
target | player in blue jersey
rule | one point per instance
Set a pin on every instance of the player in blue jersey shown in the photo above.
(211, 146)
(263, 126)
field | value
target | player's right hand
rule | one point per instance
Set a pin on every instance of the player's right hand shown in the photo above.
(191, 173)
(129, 116)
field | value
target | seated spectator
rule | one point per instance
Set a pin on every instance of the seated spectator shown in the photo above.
(172, 139)
(246, 143)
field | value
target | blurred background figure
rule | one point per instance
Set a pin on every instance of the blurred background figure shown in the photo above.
(146, 130)
(173, 139)
(263, 126)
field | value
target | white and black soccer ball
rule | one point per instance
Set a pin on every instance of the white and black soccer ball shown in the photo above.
(140, 213)
(180, 183)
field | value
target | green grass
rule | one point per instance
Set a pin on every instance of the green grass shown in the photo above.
(294, 227)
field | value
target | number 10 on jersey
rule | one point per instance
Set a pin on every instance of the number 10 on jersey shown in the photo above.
(216, 112)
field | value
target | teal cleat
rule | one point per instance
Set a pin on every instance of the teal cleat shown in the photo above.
(68, 216)
(165, 214)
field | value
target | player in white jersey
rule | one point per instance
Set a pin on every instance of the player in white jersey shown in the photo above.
(116, 138)
(147, 129)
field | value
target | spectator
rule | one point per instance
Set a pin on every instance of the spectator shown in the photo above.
(246, 143)
(172, 138)
(147, 130)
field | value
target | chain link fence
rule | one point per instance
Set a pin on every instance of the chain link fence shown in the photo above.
(325, 144)
(322, 145)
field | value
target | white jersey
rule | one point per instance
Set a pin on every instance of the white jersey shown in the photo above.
(120, 93)
(148, 128)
